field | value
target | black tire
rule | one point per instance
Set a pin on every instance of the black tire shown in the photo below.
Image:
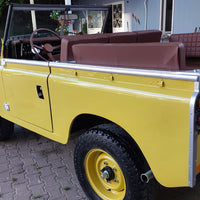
(6, 129)
(108, 138)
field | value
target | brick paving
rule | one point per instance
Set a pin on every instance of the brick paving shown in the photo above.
(33, 167)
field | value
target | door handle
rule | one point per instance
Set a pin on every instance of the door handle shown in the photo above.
(39, 92)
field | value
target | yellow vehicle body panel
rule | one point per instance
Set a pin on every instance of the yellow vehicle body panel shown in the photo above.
(154, 111)
(20, 85)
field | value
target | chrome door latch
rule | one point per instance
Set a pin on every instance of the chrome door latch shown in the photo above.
(6, 107)
(40, 92)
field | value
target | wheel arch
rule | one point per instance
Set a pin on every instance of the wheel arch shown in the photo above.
(87, 121)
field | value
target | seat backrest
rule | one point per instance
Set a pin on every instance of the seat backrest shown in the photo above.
(123, 37)
(67, 43)
(160, 56)
(191, 42)
(148, 36)
(135, 36)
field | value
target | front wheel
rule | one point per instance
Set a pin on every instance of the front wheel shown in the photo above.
(106, 169)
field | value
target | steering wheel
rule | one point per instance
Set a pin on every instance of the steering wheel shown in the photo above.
(47, 48)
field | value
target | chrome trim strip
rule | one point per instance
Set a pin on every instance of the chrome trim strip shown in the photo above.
(25, 62)
(193, 136)
(188, 76)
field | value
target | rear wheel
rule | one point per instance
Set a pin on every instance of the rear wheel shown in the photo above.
(6, 129)
(106, 168)
(105, 175)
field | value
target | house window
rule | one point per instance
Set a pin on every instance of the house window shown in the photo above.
(166, 22)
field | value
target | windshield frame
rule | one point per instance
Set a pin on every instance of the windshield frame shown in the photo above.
(51, 7)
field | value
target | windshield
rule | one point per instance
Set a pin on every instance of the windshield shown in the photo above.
(64, 22)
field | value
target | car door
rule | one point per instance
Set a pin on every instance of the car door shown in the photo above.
(26, 91)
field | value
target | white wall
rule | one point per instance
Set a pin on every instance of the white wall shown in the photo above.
(153, 20)
(135, 7)
(128, 5)
(186, 15)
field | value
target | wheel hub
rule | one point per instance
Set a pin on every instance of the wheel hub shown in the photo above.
(107, 173)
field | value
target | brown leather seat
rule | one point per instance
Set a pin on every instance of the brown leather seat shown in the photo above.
(123, 37)
(69, 41)
(148, 36)
(191, 42)
(162, 56)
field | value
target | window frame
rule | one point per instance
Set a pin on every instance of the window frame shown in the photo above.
(163, 12)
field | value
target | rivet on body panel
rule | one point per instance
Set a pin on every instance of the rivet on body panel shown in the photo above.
(6, 107)
(112, 78)
(161, 83)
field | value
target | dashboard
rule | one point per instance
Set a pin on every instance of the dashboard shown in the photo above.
(19, 47)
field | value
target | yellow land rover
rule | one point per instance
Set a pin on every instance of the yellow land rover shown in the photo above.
(136, 98)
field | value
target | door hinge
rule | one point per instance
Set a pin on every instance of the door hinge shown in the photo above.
(3, 62)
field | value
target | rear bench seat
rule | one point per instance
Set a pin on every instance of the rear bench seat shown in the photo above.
(124, 37)
(191, 42)
(162, 56)
(148, 36)
(68, 41)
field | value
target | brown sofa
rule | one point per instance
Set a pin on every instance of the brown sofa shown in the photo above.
(159, 56)
(124, 37)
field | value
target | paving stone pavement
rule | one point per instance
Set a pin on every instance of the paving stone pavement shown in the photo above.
(33, 167)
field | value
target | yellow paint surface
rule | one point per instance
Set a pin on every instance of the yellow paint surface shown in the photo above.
(156, 117)
(20, 82)
(154, 111)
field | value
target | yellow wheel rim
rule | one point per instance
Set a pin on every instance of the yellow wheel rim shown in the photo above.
(104, 175)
